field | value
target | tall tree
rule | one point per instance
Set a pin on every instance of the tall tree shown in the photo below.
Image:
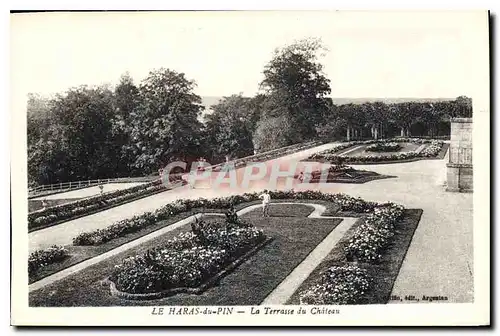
(165, 126)
(462, 107)
(38, 117)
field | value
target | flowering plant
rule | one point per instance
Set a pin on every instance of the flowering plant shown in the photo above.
(372, 237)
(187, 260)
(80, 207)
(430, 150)
(136, 223)
(383, 147)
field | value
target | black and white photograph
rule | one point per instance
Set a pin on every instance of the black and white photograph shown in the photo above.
(250, 168)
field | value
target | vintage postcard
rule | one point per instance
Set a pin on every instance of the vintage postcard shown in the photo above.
(251, 168)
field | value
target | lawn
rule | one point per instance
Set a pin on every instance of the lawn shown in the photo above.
(384, 273)
(295, 236)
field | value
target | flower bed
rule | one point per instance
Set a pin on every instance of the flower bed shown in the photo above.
(48, 216)
(339, 173)
(42, 258)
(273, 154)
(384, 147)
(338, 285)
(430, 151)
(188, 260)
(137, 223)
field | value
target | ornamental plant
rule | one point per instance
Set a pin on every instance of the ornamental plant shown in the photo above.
(41, 258)
(187, 260)
(81, 207)
(137, 223)
(383, 147)
(339, 285)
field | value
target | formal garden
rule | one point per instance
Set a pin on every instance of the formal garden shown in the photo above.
(383, 151)
(233, 259)
(221, 250)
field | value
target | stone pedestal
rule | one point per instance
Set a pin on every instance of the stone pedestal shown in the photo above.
(459, 167)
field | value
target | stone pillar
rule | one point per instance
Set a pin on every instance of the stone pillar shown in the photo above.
(459, 167)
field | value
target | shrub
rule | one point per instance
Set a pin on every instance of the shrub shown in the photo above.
(42, 258)
(348, 284)
(82, 207)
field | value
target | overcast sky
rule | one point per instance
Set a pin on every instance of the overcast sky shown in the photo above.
(412, 54)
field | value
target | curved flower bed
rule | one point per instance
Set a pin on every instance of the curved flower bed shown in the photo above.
(384, 147)
(42, 258)
(330, 155)
(136, 223)
(188, 260)
(338, 285)
(48, 216)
